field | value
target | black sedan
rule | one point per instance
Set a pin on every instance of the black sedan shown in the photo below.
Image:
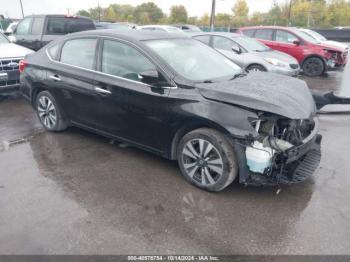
(176, 97)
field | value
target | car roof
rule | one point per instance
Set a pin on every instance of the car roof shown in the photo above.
(130, 34)
(267, 27)
(59, 15)
(226, 34)
(159, 26)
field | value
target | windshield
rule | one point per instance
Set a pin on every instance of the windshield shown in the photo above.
(307, 37)
(3, 39)
(251, 44)
(315, 35)
(193, 59)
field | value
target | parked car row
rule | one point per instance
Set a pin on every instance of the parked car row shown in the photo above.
(314, 57)
(192, 103)
(314, 54)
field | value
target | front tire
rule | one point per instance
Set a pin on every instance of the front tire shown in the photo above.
(207, 160)
(49, 112)
(313, 66)
(256, 68)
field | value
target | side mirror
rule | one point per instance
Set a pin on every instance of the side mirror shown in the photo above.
(296, 42)
(150, 77)
(236, 49)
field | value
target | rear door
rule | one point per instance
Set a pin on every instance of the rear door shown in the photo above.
(71, 78)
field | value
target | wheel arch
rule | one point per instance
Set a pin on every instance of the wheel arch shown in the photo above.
(316, 56)
(256, 64)
(190, 125)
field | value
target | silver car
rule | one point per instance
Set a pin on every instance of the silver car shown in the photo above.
(249, 53)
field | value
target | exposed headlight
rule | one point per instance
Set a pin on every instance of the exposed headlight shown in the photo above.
(276, 62)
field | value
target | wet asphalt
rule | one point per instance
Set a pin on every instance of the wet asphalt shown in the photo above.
(77, 193)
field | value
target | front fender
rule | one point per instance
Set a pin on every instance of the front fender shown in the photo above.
(230, 120)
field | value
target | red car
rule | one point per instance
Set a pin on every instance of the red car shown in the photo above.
(314, 58)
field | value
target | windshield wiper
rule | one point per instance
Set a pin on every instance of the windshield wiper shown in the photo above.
(241, 74)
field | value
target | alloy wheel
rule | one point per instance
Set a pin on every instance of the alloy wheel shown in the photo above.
(202, 162)
(47, 112)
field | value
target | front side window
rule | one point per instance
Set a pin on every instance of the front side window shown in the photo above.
(194, 60)
(79, 52)
(24, 27)
(223, 43)
(251, 44)
(307, 37)
(285, 37)
(265, 34)
(122, 60)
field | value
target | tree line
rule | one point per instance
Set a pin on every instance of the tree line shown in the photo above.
(303, 13)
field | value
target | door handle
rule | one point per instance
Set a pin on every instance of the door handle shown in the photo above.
(55, 78)
(102, 91)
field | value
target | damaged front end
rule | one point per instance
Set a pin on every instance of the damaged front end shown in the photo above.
(285, 152)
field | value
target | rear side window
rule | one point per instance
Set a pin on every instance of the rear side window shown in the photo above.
(56, 26)
(63, 25)
(77, 25)
(24, 27)
(203, 38)
(248, 32)
(37, 25)
(265, 34)
(122, 60)
(79, 52)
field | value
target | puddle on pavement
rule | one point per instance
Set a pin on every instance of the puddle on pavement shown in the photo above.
(7, 144)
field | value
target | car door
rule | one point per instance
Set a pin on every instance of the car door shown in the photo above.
(127, 107)
(23, 31)
(70, 75)
(289, 43)
(224, 45)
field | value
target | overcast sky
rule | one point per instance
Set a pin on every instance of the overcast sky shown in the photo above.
(194, 7)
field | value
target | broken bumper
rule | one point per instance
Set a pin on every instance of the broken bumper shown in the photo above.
(299, 163)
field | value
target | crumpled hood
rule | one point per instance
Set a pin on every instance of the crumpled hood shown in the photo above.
(10, 50)
(268, 92)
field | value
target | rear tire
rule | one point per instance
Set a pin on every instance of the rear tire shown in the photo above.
(207, 160)
(49, 113)
(313, 66)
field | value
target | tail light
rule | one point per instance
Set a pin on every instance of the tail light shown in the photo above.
(22, 65)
